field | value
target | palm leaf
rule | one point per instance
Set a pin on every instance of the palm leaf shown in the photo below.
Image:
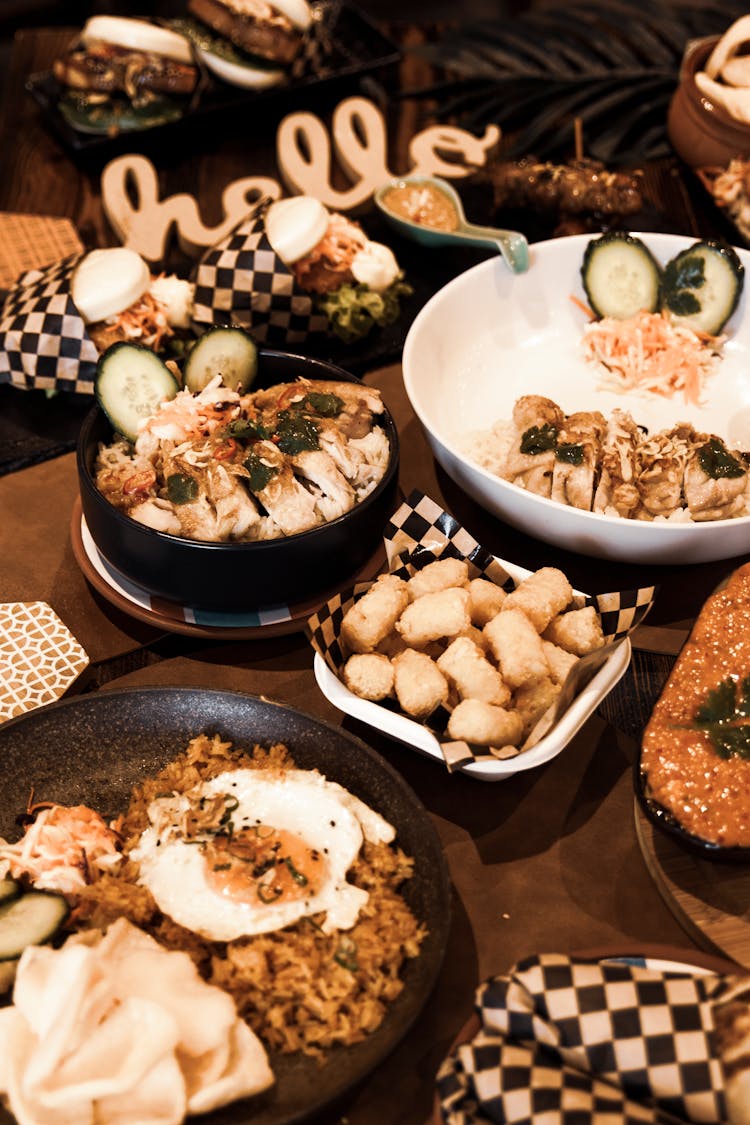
(614, 67)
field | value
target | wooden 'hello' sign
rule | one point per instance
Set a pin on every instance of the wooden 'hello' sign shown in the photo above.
(144, 222)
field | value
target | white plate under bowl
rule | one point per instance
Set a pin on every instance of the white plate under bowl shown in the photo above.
(490, 336)
(416, 735)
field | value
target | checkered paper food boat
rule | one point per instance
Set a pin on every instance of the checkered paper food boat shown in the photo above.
(421, 531)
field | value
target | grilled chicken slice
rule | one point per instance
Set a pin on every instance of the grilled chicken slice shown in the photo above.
(272, 481)
(660, 470)
(530, 461)
(716, 482)
(577, 458)
(333, 494)
(616, 491)
(360, 404)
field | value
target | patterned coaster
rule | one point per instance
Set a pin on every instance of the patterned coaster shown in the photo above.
(31, 241)
(39, 657)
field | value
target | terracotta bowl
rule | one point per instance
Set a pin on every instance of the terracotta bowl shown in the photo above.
(701, 133)
(233, 577)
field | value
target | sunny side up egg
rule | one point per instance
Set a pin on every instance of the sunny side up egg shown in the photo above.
(252, 851)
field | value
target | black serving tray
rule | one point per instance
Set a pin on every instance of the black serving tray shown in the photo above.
(356, 47)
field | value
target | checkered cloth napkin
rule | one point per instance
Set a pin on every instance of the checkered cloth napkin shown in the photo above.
(43, 339)
(418, 533)
(241, 280)
(568, 1040)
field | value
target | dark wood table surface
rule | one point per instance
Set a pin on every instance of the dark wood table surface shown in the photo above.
(548, 860)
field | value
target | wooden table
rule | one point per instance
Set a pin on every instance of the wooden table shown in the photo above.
(546, 861)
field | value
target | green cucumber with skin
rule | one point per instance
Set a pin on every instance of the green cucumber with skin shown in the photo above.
(701, 286)
(229, 352)
(131, 383)
(620, 275)
(30, 919)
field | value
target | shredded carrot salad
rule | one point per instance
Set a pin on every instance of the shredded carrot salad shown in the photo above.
(647, 352)
(145, 321)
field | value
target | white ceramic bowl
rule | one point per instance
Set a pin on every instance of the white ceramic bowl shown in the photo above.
(490, 336)
(418, 737)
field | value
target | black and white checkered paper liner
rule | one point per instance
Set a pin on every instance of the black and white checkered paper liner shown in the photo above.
(418, 533)
(44, 343)
(567, 1040)
(242, 280)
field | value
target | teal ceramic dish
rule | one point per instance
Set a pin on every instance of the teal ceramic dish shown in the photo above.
(510, 243)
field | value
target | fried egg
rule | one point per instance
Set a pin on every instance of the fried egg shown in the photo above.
(252, 851)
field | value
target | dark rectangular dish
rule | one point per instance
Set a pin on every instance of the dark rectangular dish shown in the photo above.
(357, 48)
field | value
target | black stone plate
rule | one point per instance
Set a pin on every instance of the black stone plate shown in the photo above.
(93, 749)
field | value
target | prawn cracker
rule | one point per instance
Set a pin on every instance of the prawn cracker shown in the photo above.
(44, 344)
(418, 533)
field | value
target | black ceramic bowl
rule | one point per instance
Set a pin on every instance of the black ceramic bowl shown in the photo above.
(240, 576)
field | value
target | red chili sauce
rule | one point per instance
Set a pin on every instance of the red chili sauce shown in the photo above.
(693, 742)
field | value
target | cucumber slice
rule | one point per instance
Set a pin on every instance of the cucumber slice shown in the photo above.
(130, 384)
(229, 352)
(9, 889)
(31, 919)
(620, 275)
(702, 285)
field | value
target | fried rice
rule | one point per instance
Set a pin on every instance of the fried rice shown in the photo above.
(298, 988)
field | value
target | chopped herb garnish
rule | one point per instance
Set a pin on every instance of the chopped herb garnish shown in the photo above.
(725, 717)
(260, 474)
(717, 462)
(681, 276)
(326, 405)
(539, 439)
(569, 453)
(222, 866)
(181, 488)
(248, 429)
(295, 433)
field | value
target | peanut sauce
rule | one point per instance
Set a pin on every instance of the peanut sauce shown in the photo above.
(687, 753)
(423, 204)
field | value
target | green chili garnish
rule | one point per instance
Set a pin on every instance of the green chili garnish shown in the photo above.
(295, 874)
(268, 893)
(346, 954)
(263, 831)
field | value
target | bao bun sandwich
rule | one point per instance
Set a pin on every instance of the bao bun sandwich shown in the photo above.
(118, 299)
(259, 28)
(117, 60)
(357, 283)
